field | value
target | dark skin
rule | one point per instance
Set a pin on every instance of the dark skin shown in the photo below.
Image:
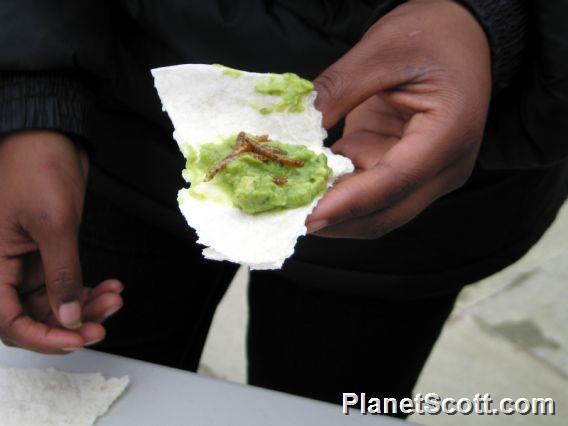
(414, 92)
(43, 304)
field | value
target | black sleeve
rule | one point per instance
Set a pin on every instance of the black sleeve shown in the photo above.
(504, 23)
(51, 51)
(528, 123)
(55, 101)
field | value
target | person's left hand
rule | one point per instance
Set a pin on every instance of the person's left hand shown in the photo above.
(415, 93)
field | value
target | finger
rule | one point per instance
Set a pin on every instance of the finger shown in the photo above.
(85, 295)
(430, 144)
(38, 308)
(92, 333)
(39, 350)
(384, 221)
(12, 313)
(378, 115)
(60, 258)
(27, 333)
(102, 307)
(110, 285)
(98, 304)
(365, 70)
(365, 149)
(107, 286)
(8, 343)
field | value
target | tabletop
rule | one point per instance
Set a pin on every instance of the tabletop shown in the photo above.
(165, 396)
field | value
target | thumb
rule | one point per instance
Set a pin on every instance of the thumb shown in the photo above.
(63, 278)
(365, 70)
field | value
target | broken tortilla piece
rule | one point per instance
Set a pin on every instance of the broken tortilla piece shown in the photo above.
(51, 397)
(210, 103)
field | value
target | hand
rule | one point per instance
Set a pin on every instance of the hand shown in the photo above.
(43, 305)
(415, 93)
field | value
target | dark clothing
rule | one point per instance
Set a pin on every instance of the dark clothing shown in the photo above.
(462, 238)
(505, 24)
(527, 126)
(311, 342)
(83, 68)
(319, 343)
(170, 293)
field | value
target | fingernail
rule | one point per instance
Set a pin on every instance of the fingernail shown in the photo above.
(93, 342)
(118, 286)
(111, 311)
(70, 315)
(69, 349)
(316, 225)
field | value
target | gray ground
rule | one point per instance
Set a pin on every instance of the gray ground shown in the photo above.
(507, 336)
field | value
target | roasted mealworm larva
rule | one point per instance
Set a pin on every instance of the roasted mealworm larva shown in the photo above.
(223, 163)
(246, 144)
(259, 149)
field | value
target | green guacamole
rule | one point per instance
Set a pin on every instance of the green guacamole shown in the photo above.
(288, 88)
(231, 72)
(255, 186)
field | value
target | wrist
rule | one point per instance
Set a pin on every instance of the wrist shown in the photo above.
(505, 25)
(37, 136)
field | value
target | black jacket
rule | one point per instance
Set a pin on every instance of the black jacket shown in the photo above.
(83, 68)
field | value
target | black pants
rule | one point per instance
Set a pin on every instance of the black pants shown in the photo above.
(301, 340)
(170, 292)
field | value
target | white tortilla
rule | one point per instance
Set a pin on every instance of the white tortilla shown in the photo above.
(207, 105)
(30, 397)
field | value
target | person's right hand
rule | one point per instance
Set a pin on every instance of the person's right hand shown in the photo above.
(43, 305)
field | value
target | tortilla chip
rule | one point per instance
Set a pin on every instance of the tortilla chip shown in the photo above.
(207, 104)
(52, 397)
